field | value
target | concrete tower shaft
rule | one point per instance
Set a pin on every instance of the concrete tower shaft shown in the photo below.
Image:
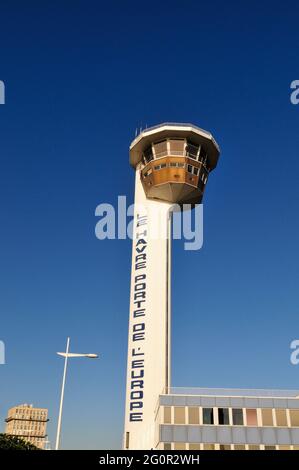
(172, 163)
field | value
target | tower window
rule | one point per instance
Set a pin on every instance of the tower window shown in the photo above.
(148, 154)
(189, 168)
(158, 167)
(202, 155)
(177, 146)
(192, 150)
(160, 148)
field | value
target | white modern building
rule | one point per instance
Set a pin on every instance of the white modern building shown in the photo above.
(227, 419)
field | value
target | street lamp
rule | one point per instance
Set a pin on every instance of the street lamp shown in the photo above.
(66, 355)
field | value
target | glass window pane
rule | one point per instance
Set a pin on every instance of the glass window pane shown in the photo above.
(267, 419)
(167, 414)
(177, 146)
(193, 414)
(180, 446)
(253, 447)
(281, 417)
(223, 417)
(148, 154)
(160, 149)
(209, 447)
(194, 446)
(189, 168)
(238, 416)
(167, 446)
(294, 417)
(179, 415)
(202, 154)
(207, 415)
(251, 417)
(192, 150)
(224, 447)
(239, 447)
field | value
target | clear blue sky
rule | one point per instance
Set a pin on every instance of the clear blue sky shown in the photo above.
(80, 77)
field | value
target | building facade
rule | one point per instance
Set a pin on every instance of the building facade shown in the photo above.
(28, 423)
(227, 419)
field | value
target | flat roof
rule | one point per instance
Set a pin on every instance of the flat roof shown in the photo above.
(232, 392)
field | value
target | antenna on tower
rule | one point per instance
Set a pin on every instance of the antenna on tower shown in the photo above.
(136, 132)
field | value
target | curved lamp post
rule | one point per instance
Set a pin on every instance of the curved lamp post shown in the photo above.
(66, 355)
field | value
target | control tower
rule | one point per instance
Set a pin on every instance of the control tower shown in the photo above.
(172, 163)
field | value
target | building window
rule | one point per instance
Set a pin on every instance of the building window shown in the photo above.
(160, 148)
(179, 415)
(270, 448)
(177, 165)
(158, 167)
(148, 154)
(189, 168)
(294, 414)
(167, 414)
(195, 170)
(251, 417)
(224, 447)
(209, 447)
(207, 416)
(193, 415)
(192, 150)
(253, 447)
(167, 446)
(239, 447)
(194, 446)
(179, 446)
(281, 417)
(202, 155)
(223, 417)
(177, 146)
(238, 416)
(267, 418)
